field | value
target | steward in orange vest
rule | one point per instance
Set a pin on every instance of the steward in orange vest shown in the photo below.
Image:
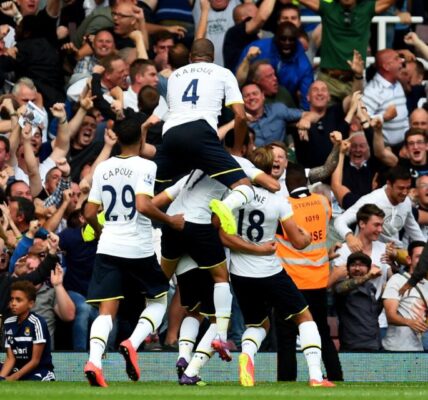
(309, 269)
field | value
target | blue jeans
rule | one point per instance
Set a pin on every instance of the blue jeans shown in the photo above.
(85, 314)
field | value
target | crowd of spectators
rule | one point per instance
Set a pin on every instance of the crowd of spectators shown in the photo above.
(68, 68)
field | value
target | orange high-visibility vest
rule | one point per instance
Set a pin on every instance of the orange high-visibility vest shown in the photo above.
(309, 268)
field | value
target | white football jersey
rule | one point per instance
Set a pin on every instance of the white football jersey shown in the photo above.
(193, 193)
(196, 91)
(257, 223)
(116, 182)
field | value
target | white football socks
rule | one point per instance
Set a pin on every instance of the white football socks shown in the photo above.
(239, 196)
(149, 321)
(188, 333)
(100, 330)
(252, 338)
(223, 308)
(310, 341)
(203, 352)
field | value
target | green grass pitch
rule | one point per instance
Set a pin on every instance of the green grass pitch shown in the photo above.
(214, 391)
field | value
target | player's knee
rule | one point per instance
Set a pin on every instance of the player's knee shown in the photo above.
(220, 273)
(266, 325)
(161, 300)
(303, 317)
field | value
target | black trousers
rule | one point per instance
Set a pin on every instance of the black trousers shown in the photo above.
(287, 331)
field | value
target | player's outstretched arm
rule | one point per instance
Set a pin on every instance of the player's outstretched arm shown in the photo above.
(236, 243)
(268, 182)
(298, 237)
(240, 127)
(146, 207)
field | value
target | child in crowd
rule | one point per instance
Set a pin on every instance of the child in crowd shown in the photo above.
(27, 340)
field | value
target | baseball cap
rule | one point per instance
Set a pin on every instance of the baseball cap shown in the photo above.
(359, 256)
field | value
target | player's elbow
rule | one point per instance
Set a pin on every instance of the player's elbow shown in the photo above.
(301, 242)
(142, 204)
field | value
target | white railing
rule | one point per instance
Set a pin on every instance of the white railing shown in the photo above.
(381, 22)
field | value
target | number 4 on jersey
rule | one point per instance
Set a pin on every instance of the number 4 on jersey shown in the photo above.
(192, 88)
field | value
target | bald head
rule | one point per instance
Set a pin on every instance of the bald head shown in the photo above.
(389, 64)
(419, 119)
(384, 56)
(202, 50)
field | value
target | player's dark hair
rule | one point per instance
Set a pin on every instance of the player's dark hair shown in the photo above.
(128, 130)
(178, 56)
(26, 287)
(295, 176)
(229, 139)
(368, 210)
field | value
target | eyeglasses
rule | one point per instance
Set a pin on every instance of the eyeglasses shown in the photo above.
(416, 143)
(119, 15)
(423, 186)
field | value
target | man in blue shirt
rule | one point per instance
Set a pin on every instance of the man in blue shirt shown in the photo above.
(27, 341)
(269, 121)
(287, 56)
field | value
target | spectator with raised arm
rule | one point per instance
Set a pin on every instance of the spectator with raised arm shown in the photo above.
(397, 207)
(384, 97)
(248, 22)
(345, 28)
(287, 56)
(357, 307)
(406, 312)
(269, 120)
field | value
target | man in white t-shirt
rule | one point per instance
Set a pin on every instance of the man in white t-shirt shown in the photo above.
(406, 314)
(195, 97)
(370, 221)
(220, 19)
(393, 200)
(143, 73)
(124, 185)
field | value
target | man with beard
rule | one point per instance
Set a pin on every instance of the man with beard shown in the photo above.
(369, 220)
(357, 307)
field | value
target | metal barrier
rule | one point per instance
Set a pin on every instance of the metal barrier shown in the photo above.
(381, 22)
